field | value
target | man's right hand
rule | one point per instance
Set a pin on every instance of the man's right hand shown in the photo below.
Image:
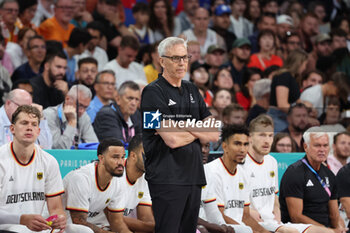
(34, 222)
(71, 114)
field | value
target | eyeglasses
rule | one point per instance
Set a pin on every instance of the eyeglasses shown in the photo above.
(38, 47)
(15, 103)
(177, 59)
(11, 10)
(284, 145)
(107, 83)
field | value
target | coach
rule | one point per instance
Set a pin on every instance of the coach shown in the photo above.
(173, 160)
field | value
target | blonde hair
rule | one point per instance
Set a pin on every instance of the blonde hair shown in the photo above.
(294, 60)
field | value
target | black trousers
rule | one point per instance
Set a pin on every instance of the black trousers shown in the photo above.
(175, 207)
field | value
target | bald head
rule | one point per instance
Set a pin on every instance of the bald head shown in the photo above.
(201, 19)
(16, 98)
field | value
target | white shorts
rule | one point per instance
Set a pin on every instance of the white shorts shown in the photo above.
(71, 228)
(273, 226)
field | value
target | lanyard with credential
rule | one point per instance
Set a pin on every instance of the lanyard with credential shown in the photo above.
(318, 177)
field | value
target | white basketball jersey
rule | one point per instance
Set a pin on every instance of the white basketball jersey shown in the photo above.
(231, 190)
(83, 193)
(136, 194)
(25, 187)
(263, 178)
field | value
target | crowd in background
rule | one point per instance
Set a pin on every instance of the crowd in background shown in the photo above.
(289, 59)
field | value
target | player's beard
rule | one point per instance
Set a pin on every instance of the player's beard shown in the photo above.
(113, 173)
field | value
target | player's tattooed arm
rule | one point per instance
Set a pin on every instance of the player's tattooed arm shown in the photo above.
(79, 217)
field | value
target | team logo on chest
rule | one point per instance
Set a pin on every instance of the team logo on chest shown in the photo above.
(272, 174)
(39, 175)
(191, 98)
(140, 195)
(241, 186)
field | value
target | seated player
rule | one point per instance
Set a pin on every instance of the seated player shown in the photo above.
(94, 196)
(30, 179)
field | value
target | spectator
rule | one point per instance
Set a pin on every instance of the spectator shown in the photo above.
(297, 123)
(265, 57)
(124, 65)
(234, 114)
(99, 190)
(245, 97)
(337, 86)
(308, 198)
(152, 70)
(291, 43)
(308, 28)
(44, 11)
(109, 15)
(186, 16)
(27, 9)
(200, 78)
(138, 199)
(318, 8)
(285, 88)
(284, 26)
(87, 71)
(322, 48)
(240, 26)
(194, 50)
(266, 21)
(221, 25)
(341, 152)
(81, 16)
(252, 13)
(36, 54)
(222, 98)
(223, 80)
(240, 52)
(105, 88)
(16, 98)
(140, 29)
(5, 80)
(201, 33)
(120, 120)
(9, 12)
(312, 78)
(270, 6)
(338, 39)
(214, 59)
(331, 116)
(67, 130)
(162, 21)
(4, 57)
(261, 93)
(76, 45)
(49, 88)
(23, 84)
(283, 143)
(93, 49)
(18, 51)
(59, 27)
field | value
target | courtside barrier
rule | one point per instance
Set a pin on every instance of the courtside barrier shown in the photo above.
(69, 160)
